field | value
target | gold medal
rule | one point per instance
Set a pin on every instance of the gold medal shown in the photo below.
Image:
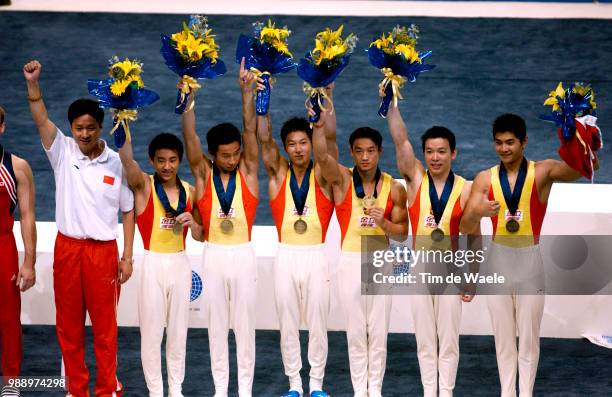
(177, 228)
(368, 202)
(437, 235)
(512, 226)
(300, 226)
(227, 226)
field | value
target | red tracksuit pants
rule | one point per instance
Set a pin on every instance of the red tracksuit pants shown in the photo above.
(10, 308)
(85, 279)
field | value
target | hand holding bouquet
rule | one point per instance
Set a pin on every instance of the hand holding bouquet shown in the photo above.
(123, 94)
(192, 54)
(322, 65)
(396, 56)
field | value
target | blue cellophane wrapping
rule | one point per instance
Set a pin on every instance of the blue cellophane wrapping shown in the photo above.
(264, 58)
(571, 106)
(320, 76)
(131, 99)
(202, 69)
(400, 66)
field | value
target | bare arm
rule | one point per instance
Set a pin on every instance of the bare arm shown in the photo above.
(188, 219)
(193, 147)
(249, 121)
(407, 163)
(330, 125)
(478, 204)
(46, 128)
(397, 226)
(135, 177)
(26, 277)
(269, 150)
(330, 168)
(126, 262)
(558, 171)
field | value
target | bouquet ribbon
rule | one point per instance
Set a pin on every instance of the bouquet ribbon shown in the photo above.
(121, 129)
(316, 97)
(397, 81)
(188, 85)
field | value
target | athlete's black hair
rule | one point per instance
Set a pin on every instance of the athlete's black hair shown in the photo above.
(295, 124)
(513, 123)
(366, 132)
(222, 134)
(166, 141)
(439, 132)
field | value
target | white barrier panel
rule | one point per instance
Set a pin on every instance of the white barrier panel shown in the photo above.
(573, 209)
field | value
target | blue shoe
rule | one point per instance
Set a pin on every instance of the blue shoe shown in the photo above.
(291, 393)
(319, 393)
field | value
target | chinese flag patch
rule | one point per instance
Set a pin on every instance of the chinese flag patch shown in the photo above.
(109, 180)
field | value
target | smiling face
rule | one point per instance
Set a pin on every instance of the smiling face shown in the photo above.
(298, 148)
(86, 131)
(509, 148)
(365, 154)
(166, 163)
(227, 156)
(438, 156)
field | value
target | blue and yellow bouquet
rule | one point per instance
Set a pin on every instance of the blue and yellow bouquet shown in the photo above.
(573, 112)
(322, 65)
(123, 94)
(192, 54)
(396, 56)
(266, 53)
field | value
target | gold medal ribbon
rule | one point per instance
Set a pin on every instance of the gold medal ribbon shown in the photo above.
(122, 117)
(397, 81)
(321, 95)
(188, 86)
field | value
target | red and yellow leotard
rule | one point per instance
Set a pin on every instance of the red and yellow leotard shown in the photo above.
(422, 220)
(242, 213)
(529, 215)
(317, 214)
(156, 229)
(354, 223)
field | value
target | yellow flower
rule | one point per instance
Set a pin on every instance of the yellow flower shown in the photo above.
(408, 52)
(552, 97)
(194, 48)
(119, 86)
(276, 37)
(329, 45)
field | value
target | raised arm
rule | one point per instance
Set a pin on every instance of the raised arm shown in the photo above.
(135, 177)
(330, 168)
(193, 148)
(270, 153)
(407, 163)
(249, 121)
(330, 125)
(46, 128)
(25, 194)
(478, 205)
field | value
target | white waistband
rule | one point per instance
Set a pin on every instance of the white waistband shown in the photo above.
(228, 247)
(295, 247)
(164, 254)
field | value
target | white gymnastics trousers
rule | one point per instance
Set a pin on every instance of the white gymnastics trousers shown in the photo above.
(301, 285)
(367, 324)
(163, 301)
(230, 280)
(520, 310)
(436, 322)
